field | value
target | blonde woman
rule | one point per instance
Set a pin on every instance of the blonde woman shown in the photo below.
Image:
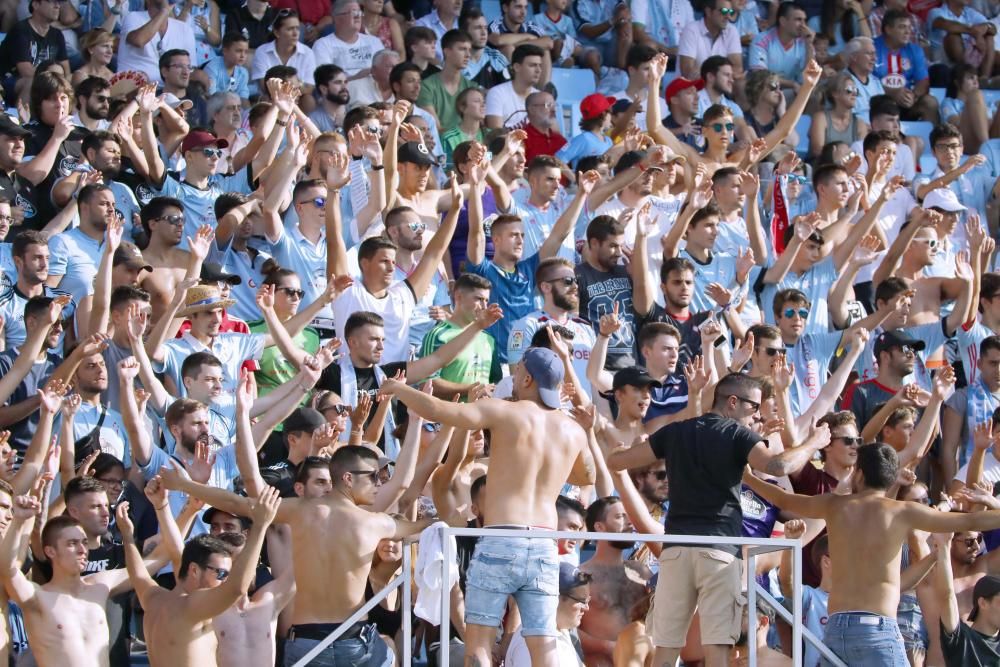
(97, 48)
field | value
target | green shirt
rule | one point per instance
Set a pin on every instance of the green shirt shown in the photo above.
(434, 96)
(275, 370)
(454, 136)
(478, 362)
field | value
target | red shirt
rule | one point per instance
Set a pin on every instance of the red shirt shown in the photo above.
(812, 481)
(541, 144)
(310, 11)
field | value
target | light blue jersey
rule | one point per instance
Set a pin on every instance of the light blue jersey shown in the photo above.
(74, 255)
(767, 52)
(199, 205)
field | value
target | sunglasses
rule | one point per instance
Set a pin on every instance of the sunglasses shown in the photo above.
(220, 572)
(584, 601)
(659, 474)
(753, 404)
(565, 281)
(293, 293)
(774, 86)
(801, 312)
(849, 441)
(372, 474)
(850, 91)
(175, 220)
(773, 351)
(212, 152)
(931, 243)
(906, 350)
(318, 202)
(432, 427)
(718, 127)
(374, 129)
(969, 541)
(797, 178)
(340, 409)
(727, 11)
(416, 227)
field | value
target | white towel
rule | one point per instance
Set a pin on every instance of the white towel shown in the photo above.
(427, 575)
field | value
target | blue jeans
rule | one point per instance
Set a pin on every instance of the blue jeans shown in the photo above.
(911, 623)
(367, 650)
(526, 569)
(865, 640)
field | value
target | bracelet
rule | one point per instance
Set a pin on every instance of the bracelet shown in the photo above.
(282, 123)
(165, 506)
(357, 158)
(378, 167)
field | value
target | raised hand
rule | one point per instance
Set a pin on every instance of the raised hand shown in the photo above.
(173, 474)
(55, 309)
(585, 417)
(982, 435)
(702, 194)
(905, 476)
(200, 468)
(338, 173)
(244, 392)
(859, 337)
(963, 269)
(265, 297)
(610, 323)
(788, 164)
(487, 317)
(719, 294)
(867, 251)
(745, 261)
(782, 373)
(113, 234)
(361, 411)
(944, 383)
(695, 373)
(409, 132)
(52, 394)
(392, 385)
(795, 529)
(559, 346)
(977, 495)
(773, 426)
(156, 492)
(806, 225)
(515, 140)
(812, 73)
(124, 522)
(201, 244)
(93, 344)
(265, 507)
(400, 112)
(742, 352)
(657, 68)
(587, 180)
(26, 507)
(147, 100)
(327, 354)
(457, 198)
(128, 369)
(710, 330)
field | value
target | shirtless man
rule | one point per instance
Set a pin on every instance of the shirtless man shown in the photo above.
(717, 126)
(615, 584)
(163, 222)
(864, 596)
(536, 449)
(178, 623)
(333, 538)
(66, 619)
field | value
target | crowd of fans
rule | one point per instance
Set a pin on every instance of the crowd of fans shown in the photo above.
(284, 284)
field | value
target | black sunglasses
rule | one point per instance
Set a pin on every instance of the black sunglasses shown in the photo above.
(373, 474)
(340, 408)
(773, 351)
(293, 293)
(658, 474)
(220, 572)
(856, 441)
(565, 281)
(753, 404)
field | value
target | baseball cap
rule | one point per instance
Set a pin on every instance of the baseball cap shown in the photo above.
(630, 159)
(11, 128)
(943, 199)
(201, 139)
(594, 105)
(570, 577)
(897, 338)
(545, 368)
(212, 511)
(635, 376)
(130, 255)
(304, 419)
(986, 587)
(415, 152)
(174, 102)
(214, 273)
(679, 84)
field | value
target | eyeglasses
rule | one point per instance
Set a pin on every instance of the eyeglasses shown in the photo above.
(293, 293)
(773, 351)
(543, 105)
(565, 281)
(102, 98)
(432, 427)
(340, 409)
(949, 147)
(373, 129)
(727, 11)
(7, 218)
(371, 474)
(931, 243)
(175, 220)
(212, 152)
(753, 404)
(584, 601)
(417, 227)
(969, 541)
(220, 572)
(658, 474)
(718, 127)
(855, 441)
(801, 312)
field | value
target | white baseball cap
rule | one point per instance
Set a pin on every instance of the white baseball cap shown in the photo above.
(943, 199)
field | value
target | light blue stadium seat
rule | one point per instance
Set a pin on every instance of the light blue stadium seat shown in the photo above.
(491, 10)
(928, 164)
(991, 149)
(992, 99)
(572, 85)
(918, 128)
(802, 128)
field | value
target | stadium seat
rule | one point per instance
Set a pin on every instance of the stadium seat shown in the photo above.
(927, 164)
(991, 149)
(918, 128)
(938, 93)
(802, 128)
(572, 85)
(992, 99)
(491, 10)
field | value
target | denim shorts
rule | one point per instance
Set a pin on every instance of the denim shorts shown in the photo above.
(911, 623)
(366, 650)
(861, 639)
(526, 569)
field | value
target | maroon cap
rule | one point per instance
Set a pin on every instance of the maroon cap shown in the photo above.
(594, 105)
(679, 84)
(200, 139)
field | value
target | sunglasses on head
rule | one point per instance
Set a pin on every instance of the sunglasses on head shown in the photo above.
(718, 127)
(801, 312)
(773, 351)
(292, 292)
(220, 572)
(175, 220)
(565, 281)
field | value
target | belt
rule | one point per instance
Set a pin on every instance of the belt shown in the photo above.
(321, 631)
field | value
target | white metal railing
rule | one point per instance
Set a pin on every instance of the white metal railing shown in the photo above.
(757, 547)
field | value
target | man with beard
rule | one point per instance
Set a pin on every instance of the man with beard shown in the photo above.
(92, 104)
(616, 584)
(175, 69)
(101, 152)
(331, 84)
(706, 458)
(542, 126)
(543, 206)
(487, 66)
(77, 252)
(556, 281)
(30, 252)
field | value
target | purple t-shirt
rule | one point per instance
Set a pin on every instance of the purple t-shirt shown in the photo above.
(460, 241)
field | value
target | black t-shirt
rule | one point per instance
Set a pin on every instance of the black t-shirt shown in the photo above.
(257, 31)
(21, 192)
(968, 648)
(24, 45)
(705, 459)
(67, 160)
(330, 380)
(690, 335)
(599, 291)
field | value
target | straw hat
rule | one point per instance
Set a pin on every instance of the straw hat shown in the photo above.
(201, 298)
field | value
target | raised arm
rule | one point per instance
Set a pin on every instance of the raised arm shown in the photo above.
(424, 367)
(814, 507)
(51, 398)
(887, 267)
(659, 133)
(843, 251)
(100, 308)
(277, 333)
(564, 225)
(444, 490)
(482, 414)
(786, 124)
(837, 300)
(246, 451)
(804, 226)
(21, 591)
(791, 460)
(165, 326)
(601, 380)
(138, 437)
(920, 440)
(148, 103)
(429, 263)
(475, 250)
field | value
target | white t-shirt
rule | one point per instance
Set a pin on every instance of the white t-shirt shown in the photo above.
(502, 101)
(147, 59)
(303, 60)
(991, 470)
(352, 58)
(396, 308)
(518, 656)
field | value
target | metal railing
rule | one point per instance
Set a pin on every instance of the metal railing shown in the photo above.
(757, 547)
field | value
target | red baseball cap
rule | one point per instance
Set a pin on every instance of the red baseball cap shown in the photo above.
(594, 105)
(679, 84)
(200, 139)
